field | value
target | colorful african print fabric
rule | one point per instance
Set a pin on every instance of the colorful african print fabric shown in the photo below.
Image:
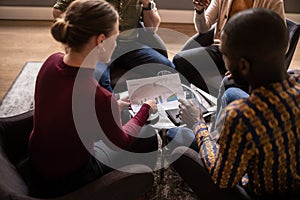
(259, 144)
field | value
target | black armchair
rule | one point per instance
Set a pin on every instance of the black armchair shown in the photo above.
(200, 40)
(152, 39)
(294, 31)
(188, 165)
(130, 182)
(119, 74)
(206, 39)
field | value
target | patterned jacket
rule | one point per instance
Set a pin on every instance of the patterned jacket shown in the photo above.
(260, 141)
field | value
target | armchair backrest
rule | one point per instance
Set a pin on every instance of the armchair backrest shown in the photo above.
(206, 39)
(129, 182)
(152, 40)
(14, 133)
(294, 31)
(11, 181)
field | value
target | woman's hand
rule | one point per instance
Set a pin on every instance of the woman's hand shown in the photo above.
(200, 5)
(124, 103)
(190, 113)
(153, 106)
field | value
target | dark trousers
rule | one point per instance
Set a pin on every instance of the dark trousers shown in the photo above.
(144, 150)
(42, 188)
(202, 66)
(192, 170)
(131, 60)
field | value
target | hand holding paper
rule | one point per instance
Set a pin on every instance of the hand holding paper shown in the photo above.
(153, 106)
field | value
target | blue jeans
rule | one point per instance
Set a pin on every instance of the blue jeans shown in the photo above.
(102, 75)
(225, 97)
(181, 137)
(127, 56)
(186, 135)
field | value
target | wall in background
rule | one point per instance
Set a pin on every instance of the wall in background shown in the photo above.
(171, 11)
(38, 3)
(292, 6)
(162, 4)
(42, 3)
(175, 4)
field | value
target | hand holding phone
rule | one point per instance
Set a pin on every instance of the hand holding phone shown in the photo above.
(173, 115)
(201, 4)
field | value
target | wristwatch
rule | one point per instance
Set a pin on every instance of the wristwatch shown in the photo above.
(151, 6)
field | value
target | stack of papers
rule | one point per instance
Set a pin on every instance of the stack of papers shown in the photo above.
(164, 90)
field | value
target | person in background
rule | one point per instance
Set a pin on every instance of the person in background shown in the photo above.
(259, 141)
(67, 148)
(132, 49)
(200, 64)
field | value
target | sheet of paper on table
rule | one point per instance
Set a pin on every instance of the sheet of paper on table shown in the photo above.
(165, 90)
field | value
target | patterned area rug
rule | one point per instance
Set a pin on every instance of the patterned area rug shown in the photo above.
(20, 98)
(168, 185)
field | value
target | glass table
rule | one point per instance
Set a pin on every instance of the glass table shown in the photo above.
(205, 101)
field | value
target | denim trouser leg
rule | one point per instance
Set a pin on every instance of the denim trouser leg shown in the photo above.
(185, 137)
(134, 55)
(132, 60)
(102, 75)
(225, 98)
(181, 137)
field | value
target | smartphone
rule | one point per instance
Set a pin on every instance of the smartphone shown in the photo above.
(173, 115)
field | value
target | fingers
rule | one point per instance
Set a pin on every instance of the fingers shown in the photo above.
(189, 107)
(183, 102)
(123, 104)
(153, 106)
(202, 3)
(186, 104)
(179, 114)
(197, 2)
(126, 98)
(228, 75)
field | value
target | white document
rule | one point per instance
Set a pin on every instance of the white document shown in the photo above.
(165, 90)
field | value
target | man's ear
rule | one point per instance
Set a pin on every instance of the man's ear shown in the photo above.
(100, 38)
(244, 66)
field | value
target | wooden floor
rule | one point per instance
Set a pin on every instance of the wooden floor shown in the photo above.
(23, 41)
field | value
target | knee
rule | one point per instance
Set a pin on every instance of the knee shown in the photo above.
(180, 63)
(228, 95)
(156, 57)
(171, 133)
(232, 94)
(176, 58)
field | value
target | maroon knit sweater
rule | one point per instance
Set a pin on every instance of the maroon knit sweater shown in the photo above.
(55, 145)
